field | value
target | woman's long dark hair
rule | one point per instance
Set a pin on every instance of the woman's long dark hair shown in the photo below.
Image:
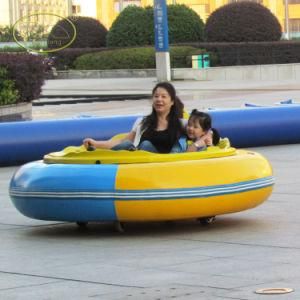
(175, 127)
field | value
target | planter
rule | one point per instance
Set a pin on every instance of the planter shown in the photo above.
(16, 112)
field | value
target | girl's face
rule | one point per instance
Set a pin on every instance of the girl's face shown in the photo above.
(162, 101)
(194, 130)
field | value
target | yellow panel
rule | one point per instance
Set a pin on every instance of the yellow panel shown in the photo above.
(158, 210)
(193, 173)
(80, 155)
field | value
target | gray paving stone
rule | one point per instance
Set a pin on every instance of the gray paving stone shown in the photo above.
(229, 259)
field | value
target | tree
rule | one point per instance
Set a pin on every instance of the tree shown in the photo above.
(6, 34)
(135, 26)
(185, 25)
(242, 22)
(89, 33)
(132, 27)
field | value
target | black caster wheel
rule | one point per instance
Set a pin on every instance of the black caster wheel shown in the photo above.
(206, 220)
(119, 227)
(82, 224)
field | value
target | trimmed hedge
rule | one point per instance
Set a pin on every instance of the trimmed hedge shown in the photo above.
(27, 71)
(185, 25)
(64, 59)
(256, 53)
(90, 33)
(134, 58)
(9, 49)
(135, 26)
(242, 22)
(132, 27)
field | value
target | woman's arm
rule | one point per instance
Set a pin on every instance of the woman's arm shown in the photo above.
(89, 142)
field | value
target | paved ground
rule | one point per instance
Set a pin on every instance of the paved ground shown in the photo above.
(195, 94)
(230, 259)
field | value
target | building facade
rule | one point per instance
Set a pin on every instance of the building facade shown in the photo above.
(13, 10)
(108, 10)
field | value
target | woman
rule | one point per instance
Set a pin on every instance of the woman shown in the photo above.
(158, 132)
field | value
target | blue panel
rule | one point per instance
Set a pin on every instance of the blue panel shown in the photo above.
(248, 127)
(28, 141)
(69, 210)
(65, 192)
(259, 126)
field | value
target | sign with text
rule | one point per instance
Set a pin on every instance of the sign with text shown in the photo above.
(161, 26)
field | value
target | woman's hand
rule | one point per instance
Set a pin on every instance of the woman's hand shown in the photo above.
(88, 142)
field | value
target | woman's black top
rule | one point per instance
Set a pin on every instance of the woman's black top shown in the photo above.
(161, 139)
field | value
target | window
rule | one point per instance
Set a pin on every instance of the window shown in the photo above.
(121, 4)
(294, 25)
(76, 9)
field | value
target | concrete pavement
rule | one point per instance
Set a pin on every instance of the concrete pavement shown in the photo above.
(230, 259)
(195, 94)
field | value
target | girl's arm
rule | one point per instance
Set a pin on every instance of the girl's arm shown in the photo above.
(196, 146)
(202, 143)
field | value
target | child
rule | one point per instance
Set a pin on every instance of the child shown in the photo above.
(200, 132)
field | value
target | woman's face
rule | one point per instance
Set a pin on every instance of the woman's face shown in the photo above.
(162, 101)
(194, 130)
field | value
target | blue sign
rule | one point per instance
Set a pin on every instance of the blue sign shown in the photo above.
(161, 26)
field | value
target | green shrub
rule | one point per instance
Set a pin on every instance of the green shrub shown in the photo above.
(132, 27)
(134, 58)
(14, 49)
(135, 26)
(185, 25)
(27, 71)
(251, 53)
(65, 58)
(242, 22)
(8, 92)
(89, 33)
(6, 34)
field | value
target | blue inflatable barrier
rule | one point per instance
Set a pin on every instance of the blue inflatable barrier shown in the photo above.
(22, 142)
(245, 127)
(259, 126)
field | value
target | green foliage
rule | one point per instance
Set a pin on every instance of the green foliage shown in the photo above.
(8, 92)
(135, 26)
(6, 34)
(89, 33)
(134, 58)
(12, 49)
(27, 72)
(185, 25)
(132, 27)
(242, 22)
(37, 33)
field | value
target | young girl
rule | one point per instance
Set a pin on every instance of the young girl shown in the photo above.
(200, 132)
